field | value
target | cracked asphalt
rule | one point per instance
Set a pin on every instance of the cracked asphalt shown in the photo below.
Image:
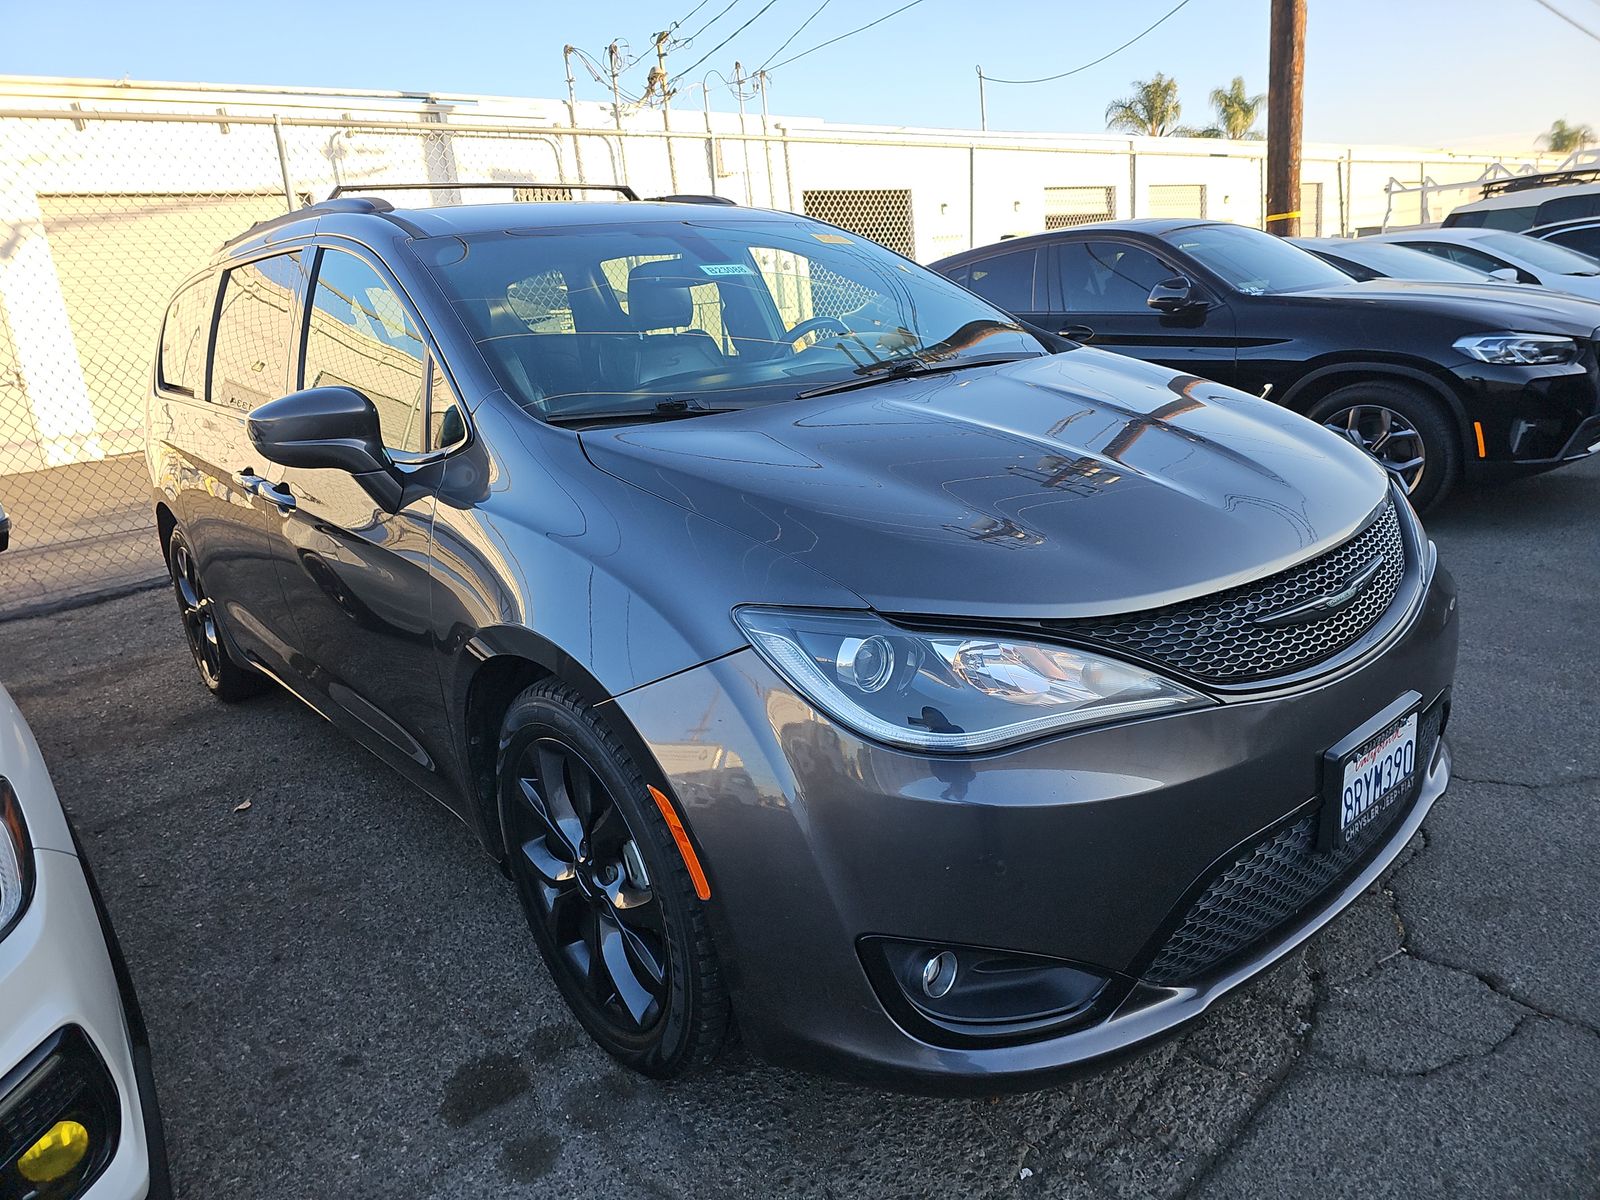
(344, 1002)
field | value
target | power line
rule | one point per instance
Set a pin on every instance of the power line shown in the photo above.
(1545, 4)
(851, 33)
(730, 37)
(681, 42)
(1103, 57)
(798, 32)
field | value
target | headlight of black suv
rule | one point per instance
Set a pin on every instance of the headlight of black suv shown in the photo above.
(1519, 349)
(950, 693)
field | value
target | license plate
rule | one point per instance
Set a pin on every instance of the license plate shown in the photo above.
(1366, 773)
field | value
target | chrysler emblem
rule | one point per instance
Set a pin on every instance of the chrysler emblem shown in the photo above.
(1310, 610)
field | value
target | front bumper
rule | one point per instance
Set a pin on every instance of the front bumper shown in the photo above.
(1085, 848)
(58, 971)
(1532, 418)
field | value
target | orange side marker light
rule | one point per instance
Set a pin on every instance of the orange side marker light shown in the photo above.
(680, 835)
(1477, 427)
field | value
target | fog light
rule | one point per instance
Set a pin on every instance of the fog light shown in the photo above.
(939, 974)
(55, 1155)
(965, 995)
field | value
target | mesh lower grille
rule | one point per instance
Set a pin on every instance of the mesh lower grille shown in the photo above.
(1216, 638)
(1273, 881)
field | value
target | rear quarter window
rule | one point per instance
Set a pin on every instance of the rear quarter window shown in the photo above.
(185, 335)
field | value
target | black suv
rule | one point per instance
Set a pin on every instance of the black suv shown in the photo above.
(1438, 381)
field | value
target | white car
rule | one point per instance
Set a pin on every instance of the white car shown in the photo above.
(78, 1116)
(1488, 250)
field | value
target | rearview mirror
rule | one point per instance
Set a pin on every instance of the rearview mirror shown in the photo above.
(1173, 295)
(334, 428)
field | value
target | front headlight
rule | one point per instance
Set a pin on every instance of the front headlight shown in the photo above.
(1519, 349)
(16, 860)
(949, 692)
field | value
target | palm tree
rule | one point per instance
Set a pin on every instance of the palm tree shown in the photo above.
(1152, 111)
(1236, 112)
(1563, 138)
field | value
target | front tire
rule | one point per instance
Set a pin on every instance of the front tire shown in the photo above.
(606, 892)
(224, 677)
(1406, 431)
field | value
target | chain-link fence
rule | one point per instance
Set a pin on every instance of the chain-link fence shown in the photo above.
(102, 214)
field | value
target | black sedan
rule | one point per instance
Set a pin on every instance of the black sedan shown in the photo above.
(1439, 382)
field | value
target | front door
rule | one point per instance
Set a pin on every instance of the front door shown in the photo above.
(1104, 286)
(355, 573)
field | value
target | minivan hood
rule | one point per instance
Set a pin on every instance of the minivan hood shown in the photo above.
(1079, 484)
(1491, 306)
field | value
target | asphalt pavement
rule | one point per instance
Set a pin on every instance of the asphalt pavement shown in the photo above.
(344, 1001)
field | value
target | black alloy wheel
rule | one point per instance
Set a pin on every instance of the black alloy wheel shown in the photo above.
(606, 894)
(224, 677)
(1402, 429)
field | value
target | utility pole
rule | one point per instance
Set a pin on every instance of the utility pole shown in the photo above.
(766, 140)
(1285, 77)
(744, 146)
(662, 81)
(983, 104)
(572, 109)
(614, 61)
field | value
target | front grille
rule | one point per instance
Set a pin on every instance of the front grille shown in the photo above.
(1216, 638)
(1278, 878)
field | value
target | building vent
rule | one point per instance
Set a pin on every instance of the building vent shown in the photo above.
(1177, 200)
(1066, 207)
(882, 214)
(1310, 210)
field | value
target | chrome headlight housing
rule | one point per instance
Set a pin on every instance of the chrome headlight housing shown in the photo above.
(16, 860)
(1518, 349)
(949, 692)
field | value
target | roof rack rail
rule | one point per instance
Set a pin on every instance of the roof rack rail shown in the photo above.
(355, 204)
(622, 189)
(1519, 183)
(693, 198)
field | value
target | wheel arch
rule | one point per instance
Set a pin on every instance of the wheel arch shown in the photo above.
(166, 522)
(505, 662)
(1329, 377)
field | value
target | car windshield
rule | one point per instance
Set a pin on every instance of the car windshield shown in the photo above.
(1256, 263)
(1541, 256)
(1401, 262)
(674, 317)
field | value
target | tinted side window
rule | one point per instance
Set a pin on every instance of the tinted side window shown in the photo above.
(1466, 256)
(185, 337)
(1567, 208)
(1585, 240)
(251, 363)
(1109, 276)
(1006, 280)
(361, 336)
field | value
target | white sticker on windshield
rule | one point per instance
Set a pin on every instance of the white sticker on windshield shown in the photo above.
(726, 269)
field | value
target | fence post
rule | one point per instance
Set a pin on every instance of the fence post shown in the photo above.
(283, 163)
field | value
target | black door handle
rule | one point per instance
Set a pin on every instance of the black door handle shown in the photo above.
(1078, 333)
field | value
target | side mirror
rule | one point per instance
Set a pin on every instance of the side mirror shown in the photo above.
(1505, 274)
(5, 529)
(1173, 295)
(334, 428)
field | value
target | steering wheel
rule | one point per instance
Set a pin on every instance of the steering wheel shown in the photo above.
(816, 325)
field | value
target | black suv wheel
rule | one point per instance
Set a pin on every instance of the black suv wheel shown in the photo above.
(224, 676)
(606, 892)
(1406, 431)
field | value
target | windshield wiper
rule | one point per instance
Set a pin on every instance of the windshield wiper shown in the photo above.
(665, 410)
(906, 367)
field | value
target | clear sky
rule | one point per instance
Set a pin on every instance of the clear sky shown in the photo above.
(1462, 73)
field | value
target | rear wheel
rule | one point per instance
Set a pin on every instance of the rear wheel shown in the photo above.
(1408, 432)
(606, 892)
(225, 678)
